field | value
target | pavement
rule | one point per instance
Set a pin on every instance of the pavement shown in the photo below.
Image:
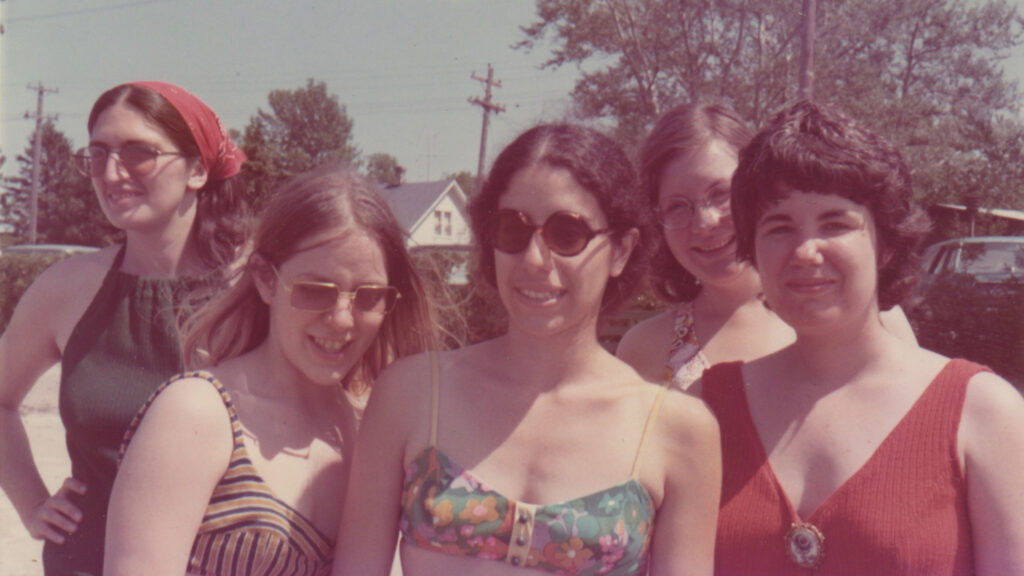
(20, 555)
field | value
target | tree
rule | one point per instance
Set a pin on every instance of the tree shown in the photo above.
(924, 73)
(304, 128)
(68, 210)
(384, 168)
(466, 181)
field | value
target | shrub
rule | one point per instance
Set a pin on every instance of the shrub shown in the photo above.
(17, 272)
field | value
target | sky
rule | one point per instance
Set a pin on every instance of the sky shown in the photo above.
(402, 68)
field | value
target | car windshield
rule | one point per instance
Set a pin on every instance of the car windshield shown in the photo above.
(993, 258)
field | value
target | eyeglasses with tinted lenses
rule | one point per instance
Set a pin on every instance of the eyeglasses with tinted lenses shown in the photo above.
(678, 211)
(564, 233)
(139, 159)
(323, 296)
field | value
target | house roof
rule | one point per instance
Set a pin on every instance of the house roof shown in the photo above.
(410, 202)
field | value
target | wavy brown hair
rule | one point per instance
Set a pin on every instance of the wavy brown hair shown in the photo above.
(678, 132)
(600, 166)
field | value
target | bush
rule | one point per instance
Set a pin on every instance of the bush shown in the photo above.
(17, 272)
(466, 313)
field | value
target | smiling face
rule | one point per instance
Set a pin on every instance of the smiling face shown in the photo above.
(707, 246)
(324, 347)
(818, 259)
(546, 293)
(159, 201)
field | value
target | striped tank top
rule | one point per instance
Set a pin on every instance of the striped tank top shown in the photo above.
(247, 530)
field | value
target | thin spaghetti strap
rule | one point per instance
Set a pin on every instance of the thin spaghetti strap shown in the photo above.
(647, 427)
(435, 396)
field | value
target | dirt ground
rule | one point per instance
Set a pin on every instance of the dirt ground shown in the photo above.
(20, 555)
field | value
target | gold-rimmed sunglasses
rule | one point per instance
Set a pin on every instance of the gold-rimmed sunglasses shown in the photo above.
(323, 296)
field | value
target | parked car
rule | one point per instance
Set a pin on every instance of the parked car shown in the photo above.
(58, 249)
(970, 302)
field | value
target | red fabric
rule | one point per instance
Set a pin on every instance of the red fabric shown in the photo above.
(221, 157)
(903, 513)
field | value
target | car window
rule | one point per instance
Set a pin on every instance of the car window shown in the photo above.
(941, 262)
(992, 258)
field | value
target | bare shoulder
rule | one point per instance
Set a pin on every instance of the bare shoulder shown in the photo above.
(80, 272)
(685, 447)
(43, 319)
(687, 419)
(645, 346)
(401, 394)
(992, 404)
(64, 290)
(190, 405)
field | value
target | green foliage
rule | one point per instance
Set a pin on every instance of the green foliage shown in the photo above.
(17, 272)
(926, 74)
(466, 313)
(68, 210)
(465, 180)
(384, 168)
(305, 128)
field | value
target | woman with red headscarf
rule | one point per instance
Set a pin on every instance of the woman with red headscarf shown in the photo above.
(165, 172)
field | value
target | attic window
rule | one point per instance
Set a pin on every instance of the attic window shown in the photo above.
(443, 223)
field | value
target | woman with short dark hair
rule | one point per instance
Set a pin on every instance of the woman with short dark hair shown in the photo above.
(854, 451)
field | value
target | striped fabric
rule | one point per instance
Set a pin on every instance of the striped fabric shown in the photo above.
(247, 530)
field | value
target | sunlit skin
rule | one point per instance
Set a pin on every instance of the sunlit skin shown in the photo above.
(543, 291)
(818, 258)
(824, 405)
(499, 400)
(325, 346)
(162, 201)
(156, 211)
(730, 321)
(707, 247)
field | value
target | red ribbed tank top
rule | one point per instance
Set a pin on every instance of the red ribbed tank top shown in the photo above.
(903, 513)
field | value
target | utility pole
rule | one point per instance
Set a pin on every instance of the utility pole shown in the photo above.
(488, 107)
(37, 151)
(807, 52)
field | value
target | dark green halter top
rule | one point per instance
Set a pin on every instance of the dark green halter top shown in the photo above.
(123, 347)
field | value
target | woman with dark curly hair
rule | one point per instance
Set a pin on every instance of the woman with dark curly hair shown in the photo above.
(538, 451)
(165, 172)
(854, 451)
(687, 163)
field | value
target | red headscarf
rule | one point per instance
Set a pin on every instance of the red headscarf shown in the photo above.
(221, 157)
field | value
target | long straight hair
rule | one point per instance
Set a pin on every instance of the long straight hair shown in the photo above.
(331, 198)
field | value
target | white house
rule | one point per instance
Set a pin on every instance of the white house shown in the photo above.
(434, 213)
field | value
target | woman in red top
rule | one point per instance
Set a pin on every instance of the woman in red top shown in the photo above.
(853, 451)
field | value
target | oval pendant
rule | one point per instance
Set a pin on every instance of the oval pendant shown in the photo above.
(805, 545)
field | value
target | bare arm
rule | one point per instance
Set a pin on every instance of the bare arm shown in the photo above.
(684, 533)
(27, 349)
(991, 437)
(645, 347)
(369, 523)
(178, 454)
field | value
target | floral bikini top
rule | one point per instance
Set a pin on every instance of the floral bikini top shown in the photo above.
(686, 361)
(447, 509)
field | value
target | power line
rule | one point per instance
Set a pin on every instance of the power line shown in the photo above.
(110, 8)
